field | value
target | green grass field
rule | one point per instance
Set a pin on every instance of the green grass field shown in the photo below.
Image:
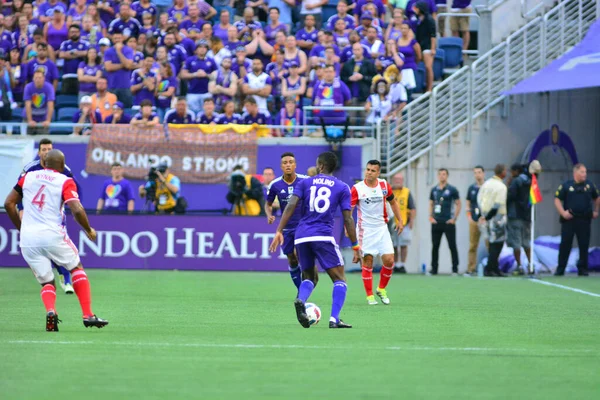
(209, 335)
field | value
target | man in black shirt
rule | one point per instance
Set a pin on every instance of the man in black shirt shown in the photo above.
(444, 209)
(519, 215)
(577, 203)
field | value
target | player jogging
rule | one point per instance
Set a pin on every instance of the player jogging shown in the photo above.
(374, 237)
(282, 188)
(44, 236)
(44, 146)
(320, 197)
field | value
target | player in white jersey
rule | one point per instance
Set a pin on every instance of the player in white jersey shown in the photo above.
(44, 237)
(374, 238)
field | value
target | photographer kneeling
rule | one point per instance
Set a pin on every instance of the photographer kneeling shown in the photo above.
(245, 193)
(163, 189)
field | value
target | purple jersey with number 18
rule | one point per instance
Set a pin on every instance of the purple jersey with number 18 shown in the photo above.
(320, 195)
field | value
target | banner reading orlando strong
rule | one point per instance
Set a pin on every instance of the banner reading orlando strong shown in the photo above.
(194, 153)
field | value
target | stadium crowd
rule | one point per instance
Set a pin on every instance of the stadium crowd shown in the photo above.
(222, 61)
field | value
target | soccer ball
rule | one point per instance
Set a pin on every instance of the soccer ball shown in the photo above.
(313, 312)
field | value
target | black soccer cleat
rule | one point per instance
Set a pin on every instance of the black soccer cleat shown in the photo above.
(399, 270)
(301, 313)
(338, 325)
(52, 322)
(94, 321)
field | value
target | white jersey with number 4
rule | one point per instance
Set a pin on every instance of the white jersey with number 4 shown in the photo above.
(372, 217)
(44, 194)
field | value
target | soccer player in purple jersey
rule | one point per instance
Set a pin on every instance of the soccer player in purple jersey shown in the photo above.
(282, 188)
(320, 197)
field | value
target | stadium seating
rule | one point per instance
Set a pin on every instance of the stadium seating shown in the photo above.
(66, 100)
(65, 114)
(438, 64)
(17, 115)
(452, 47)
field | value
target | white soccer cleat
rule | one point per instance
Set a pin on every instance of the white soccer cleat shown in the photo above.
(61, 280)
(371, 300)
(68, 289)
(382, 293)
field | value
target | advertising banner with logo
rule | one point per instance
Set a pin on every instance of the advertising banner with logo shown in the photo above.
(165, 242)
(194, 153)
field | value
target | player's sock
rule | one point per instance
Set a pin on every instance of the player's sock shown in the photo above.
(296, 274)
(338, 299)
(305, 289)
(83, 292)
(384, 276)
(48, 294)
(367, 277)
(64, 272)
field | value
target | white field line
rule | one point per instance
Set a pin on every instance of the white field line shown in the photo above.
(306, 347)
(565, 287)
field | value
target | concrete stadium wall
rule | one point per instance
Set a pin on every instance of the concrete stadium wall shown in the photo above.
(576, 113)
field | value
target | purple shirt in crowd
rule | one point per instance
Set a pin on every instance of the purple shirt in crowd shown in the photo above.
(164, 85)
(177, 15)
(71, 66)
(116, 195)
(193, 64)
(118, 79)
(39, 98)
(49, 68)
(144, 93)
(141, 10)
(334, 94)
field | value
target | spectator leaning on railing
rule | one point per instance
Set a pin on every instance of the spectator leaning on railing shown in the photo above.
(118, 116)
(146, 118)
(117, 193)
(39, 99)
(86, 115)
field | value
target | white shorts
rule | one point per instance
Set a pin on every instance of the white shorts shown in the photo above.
(408, 79)
(375, 241)
(64, 254)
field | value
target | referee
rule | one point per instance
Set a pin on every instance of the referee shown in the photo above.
(577, 203)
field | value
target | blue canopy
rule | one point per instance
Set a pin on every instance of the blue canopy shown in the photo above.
(577, 69)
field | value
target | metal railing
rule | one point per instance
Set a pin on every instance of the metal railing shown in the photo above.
(67, 128)
(473, 91)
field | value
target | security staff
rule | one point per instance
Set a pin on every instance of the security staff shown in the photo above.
(577, 203)
(444, 209)
(409, 215)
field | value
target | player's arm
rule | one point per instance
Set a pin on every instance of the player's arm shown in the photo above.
(287, 214)
(351, 231)
(10, 205)
(396, 209)
(82, 219)
(99, 205)
(269, 210)
(458, 207)
(431, 219)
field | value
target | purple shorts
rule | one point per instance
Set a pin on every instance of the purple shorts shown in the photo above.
(288, 241)
(326, 253)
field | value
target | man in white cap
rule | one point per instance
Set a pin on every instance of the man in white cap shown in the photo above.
(86, 115)
(103, 45)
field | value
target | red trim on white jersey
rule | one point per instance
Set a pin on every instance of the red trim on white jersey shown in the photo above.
(69, 191)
